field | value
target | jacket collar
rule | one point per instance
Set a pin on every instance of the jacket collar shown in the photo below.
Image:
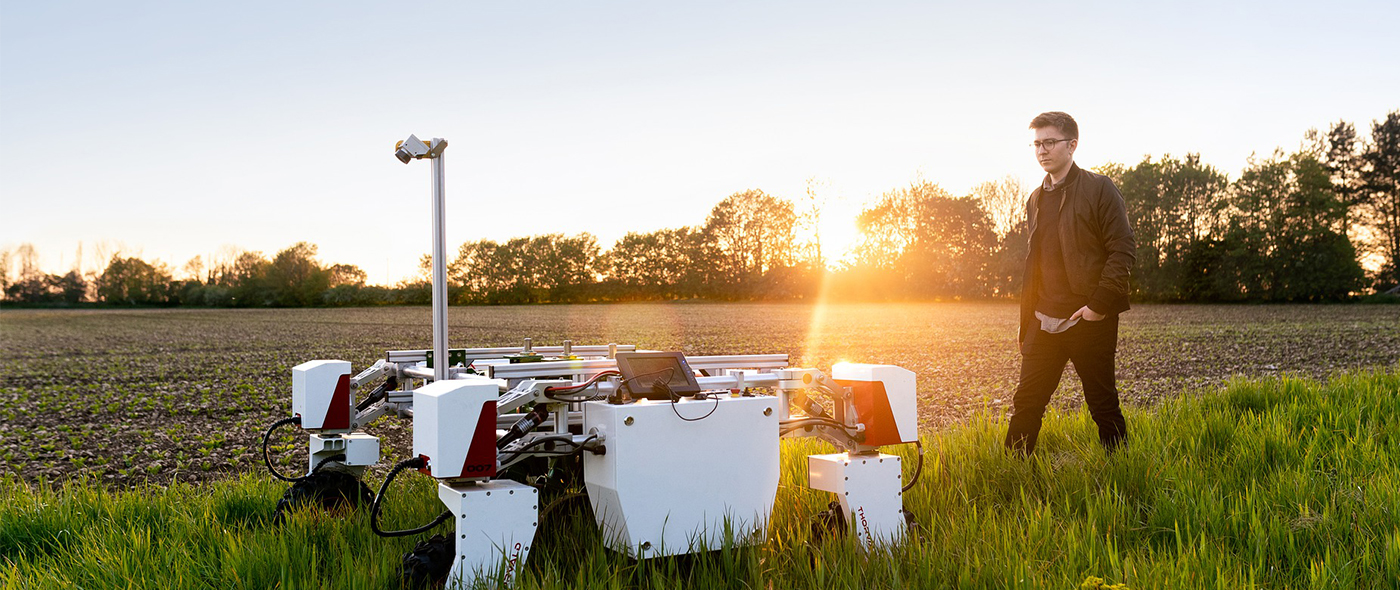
(1069, 178)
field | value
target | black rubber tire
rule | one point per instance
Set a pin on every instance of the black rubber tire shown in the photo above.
(914, 529)
(331, 491)
(831, 521)
(428, 564)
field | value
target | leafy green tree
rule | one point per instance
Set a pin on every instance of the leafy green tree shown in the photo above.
(1004, 201)
(347, 287)
(932, 243)
(1204, 275)
(476, 272)
(507, 266)
(35, 289)
(638, 262)
(564, 266)
(951, 254)
(246, 280)
(71, 287)
(1172, 205)
(887, 228)
(1380, 183)
(1284, 241)
(750, 234)
(346, 274)
(4, 269)
(1340, 153)
(664, 264)
(294, 278)
(132, 281)
(539, 269)
(68, 289)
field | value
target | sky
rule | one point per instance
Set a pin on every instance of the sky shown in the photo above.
(181, 129)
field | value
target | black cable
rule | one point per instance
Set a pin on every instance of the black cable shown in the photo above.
(515, 455)
(578, 446)
(575, 400)
(585, 385)
(550, 391)
(268, 460)
(848, 435)
(918, 469)
(512, 454)
(791, 425)
(524, 425)
(665, 386)
(819, 419)
(627, 383)
(707, 414)
(675, 398)
(267, 435)
(338, 457)
(416, 463)
(379, 392)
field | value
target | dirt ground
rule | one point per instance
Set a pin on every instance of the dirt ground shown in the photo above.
(135, 396)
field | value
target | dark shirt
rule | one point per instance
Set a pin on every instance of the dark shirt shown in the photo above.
(1055, 299)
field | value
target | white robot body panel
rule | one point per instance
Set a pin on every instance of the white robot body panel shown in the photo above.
(495, 526)
(886, 401)
(676, 478)
(321, 395)
(868, 487)
(454, 427)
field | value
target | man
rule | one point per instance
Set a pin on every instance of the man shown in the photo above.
(1076, 284)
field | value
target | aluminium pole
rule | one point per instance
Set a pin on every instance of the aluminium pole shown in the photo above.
(439, 271)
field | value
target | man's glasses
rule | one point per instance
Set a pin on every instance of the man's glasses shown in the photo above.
(1048, 144)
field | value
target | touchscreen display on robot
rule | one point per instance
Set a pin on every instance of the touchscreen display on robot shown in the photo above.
(657, 375)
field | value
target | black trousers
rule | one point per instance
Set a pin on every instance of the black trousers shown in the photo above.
(1091, 347)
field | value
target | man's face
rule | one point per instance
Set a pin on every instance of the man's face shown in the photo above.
(1057, 159)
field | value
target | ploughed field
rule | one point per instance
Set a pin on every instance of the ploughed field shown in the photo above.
(130, 396)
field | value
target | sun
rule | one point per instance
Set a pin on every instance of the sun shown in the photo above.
(839, 234)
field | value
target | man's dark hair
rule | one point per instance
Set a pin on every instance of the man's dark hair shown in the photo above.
(1058, 120)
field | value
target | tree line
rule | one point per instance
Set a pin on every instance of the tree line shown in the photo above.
(1299, 226)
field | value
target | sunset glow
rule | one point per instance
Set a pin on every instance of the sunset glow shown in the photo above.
(839, 236)
(838, 231)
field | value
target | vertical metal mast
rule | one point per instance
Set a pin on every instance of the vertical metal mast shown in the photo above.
(439, 268)
(414, 149)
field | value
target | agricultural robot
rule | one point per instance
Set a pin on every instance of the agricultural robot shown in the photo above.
(674, 454)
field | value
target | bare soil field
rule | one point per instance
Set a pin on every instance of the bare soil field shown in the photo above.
(133, 396)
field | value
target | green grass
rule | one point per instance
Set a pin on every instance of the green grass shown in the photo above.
(1277, 483)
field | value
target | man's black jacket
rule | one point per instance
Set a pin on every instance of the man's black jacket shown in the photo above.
(1097, 242)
